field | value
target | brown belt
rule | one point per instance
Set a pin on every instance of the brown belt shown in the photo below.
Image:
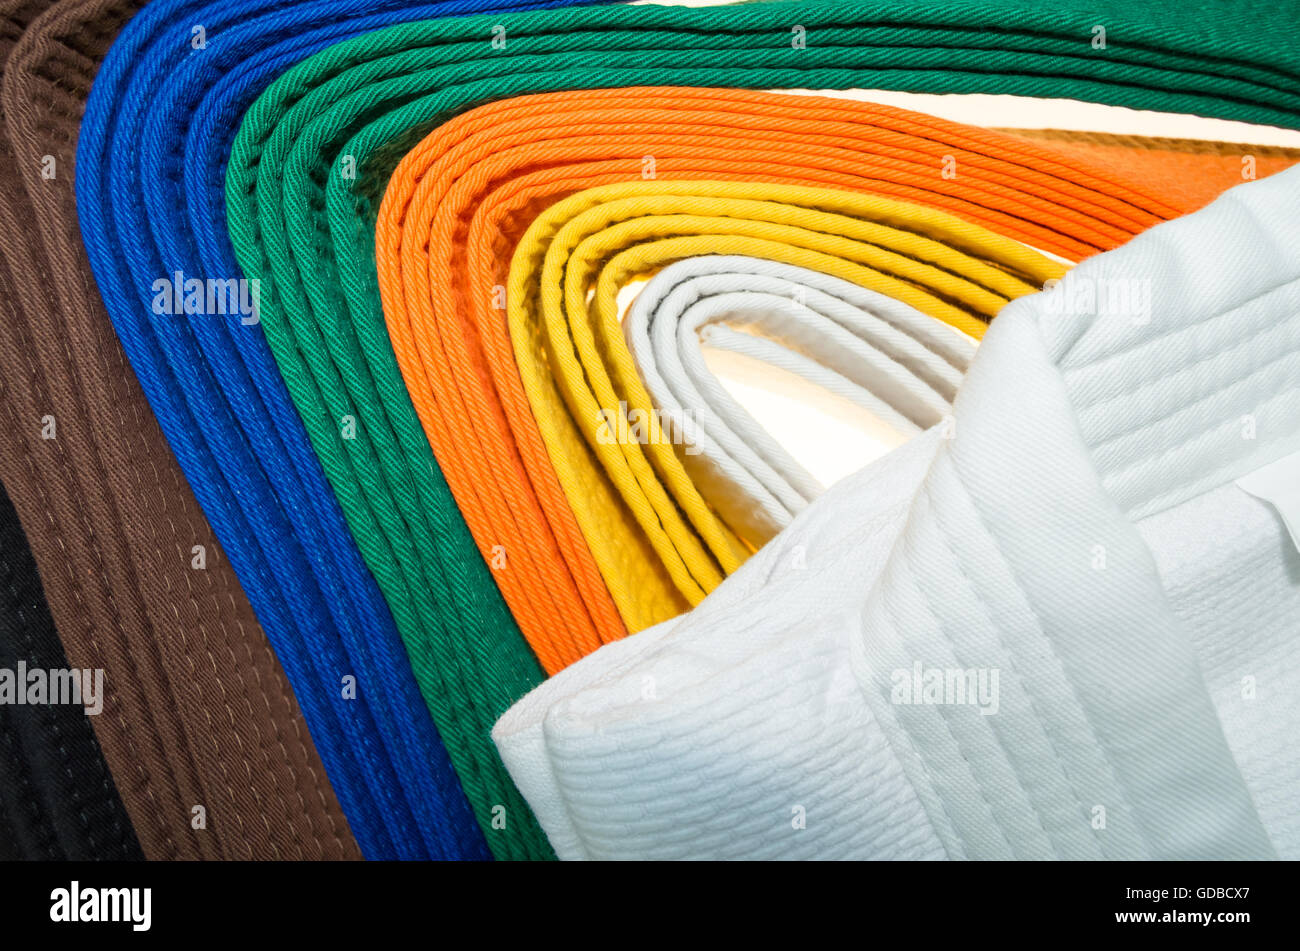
(197, 711)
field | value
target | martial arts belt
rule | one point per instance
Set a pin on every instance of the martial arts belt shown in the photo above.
(57, 799)
(87, 34)
(149, 176)
(870, 351)
(321, 140)
(207, 747)
(226, 363)
(1025, 637)
(633, 498)
(318, 149)
(459, 198)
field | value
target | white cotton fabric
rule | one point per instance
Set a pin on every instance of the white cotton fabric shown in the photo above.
(891, 360)
(1079, 533)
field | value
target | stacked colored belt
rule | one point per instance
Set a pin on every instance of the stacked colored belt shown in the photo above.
(468, 182)
(203, 736)
(313, 155)
(398, 404)
(222, 405)
(575, 366)
(318, 124)
(1103, 678)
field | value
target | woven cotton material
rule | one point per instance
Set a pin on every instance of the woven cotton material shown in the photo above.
(631, 495)
(1196, 171)
(151, 211)
(57, 799)
(197, 711)
(1079, 533)
(514, 506)
(869, 350)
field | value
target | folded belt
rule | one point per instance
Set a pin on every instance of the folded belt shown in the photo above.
(1021, 549)
(151, 214)
(577, 371)
(322, 140)
(460, 369)
(868, 349)
(197, 710)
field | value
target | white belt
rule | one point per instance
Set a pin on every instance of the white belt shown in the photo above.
(879, 354)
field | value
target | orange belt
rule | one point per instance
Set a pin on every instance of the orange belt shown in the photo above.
(459, 201)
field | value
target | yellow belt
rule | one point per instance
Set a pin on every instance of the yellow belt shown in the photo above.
(658, 544)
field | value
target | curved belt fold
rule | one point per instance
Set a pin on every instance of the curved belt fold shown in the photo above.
(197, 709)
(457, 201)
(956, 680)
(581, 379)
(322, 140)
(869, 350)
(152, 212)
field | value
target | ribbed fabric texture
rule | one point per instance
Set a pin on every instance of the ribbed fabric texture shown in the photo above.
(1075, 533)
(57, 799)
(322, 140)
(578, 373)
(332, 486)
(868, 350)
(223, 407)
(197, 710)
(458, 201)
